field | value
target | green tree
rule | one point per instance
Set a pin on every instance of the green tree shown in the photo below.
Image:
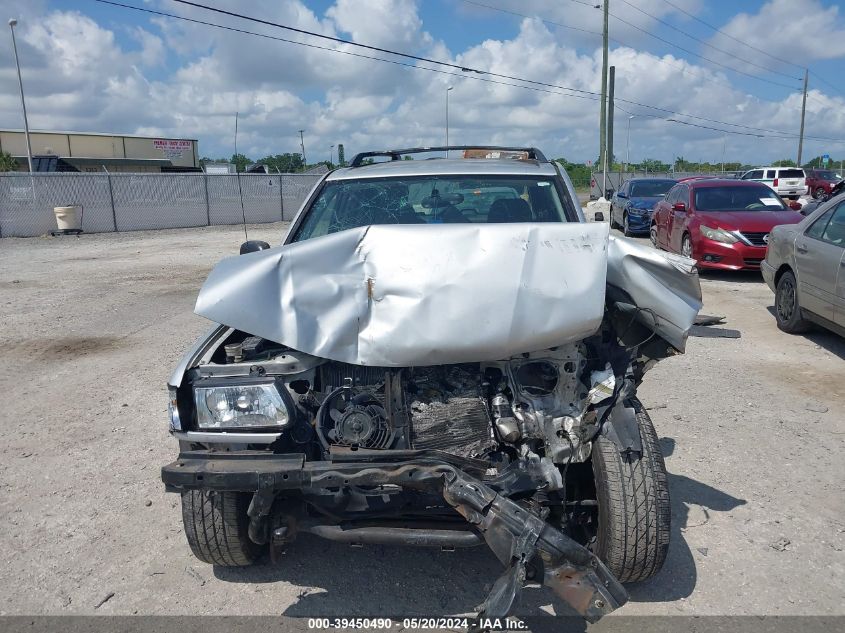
(8, 162)
(286, 163)
(240, 161)
(784, 162)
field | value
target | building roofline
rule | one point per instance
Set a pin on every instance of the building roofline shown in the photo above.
(115, 134)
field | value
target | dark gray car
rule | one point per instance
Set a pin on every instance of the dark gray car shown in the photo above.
(805, 267)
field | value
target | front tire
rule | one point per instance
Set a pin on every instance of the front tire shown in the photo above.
(787, 309)
(626, 227)
(634, 513)
(686, 246)
(216, 526)
(819, 193)
(652, 235)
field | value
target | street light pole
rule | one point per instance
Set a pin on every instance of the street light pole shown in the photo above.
(628, 143)
(302, 145)
(331, 155)
(448, 90)
(12, 24)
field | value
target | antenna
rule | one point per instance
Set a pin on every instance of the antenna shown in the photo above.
(238, 176)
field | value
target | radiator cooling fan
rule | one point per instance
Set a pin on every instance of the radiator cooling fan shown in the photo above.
(353, 419)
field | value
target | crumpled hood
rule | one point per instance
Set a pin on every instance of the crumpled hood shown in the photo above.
(404, 295)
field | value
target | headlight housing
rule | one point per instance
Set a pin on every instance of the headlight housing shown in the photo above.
(173, 410)
(235, 406)
(718, 235)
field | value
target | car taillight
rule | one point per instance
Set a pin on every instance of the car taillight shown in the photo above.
(775, 183)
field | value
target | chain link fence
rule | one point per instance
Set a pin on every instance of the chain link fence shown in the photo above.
(616, 179)
(134, 202)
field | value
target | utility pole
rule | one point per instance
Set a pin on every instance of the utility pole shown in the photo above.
(236, 142)
(12, 24)
(611, 85)
(603, 118)
(803, 112)
(447, 119)
(628, 143)
(302, 145)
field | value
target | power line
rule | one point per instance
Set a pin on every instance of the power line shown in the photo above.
(658, 59)
(698, 39)
(693, 53)
(589, 96)
(728, 35)
(825, 81)
(522, 15)
(583, 94)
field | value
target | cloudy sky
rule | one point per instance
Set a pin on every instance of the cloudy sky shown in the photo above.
(728, 73)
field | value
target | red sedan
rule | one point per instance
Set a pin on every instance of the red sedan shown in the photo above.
(721, 224)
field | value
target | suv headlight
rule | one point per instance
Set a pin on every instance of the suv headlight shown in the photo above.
(718, 235)
(238, 406)
(173, 410)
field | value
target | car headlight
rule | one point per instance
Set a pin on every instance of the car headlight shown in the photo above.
(718, 235)
(173, 411)
(238, 406)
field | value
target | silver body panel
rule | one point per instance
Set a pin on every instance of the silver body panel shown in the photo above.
(404, 295)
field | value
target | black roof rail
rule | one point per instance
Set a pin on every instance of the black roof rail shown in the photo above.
(396, 154)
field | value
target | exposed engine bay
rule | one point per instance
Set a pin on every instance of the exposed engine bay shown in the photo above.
(535, 404)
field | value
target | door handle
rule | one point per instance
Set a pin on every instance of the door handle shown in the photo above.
(801, 249)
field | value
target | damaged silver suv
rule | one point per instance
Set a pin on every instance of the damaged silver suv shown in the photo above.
(441, 353)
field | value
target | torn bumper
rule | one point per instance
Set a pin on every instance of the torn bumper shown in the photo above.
(516, 536)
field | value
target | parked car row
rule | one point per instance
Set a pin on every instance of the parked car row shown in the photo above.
(743, 225)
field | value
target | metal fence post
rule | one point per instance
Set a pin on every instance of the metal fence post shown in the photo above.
(111, 197)
(207, 203)
(281, 196)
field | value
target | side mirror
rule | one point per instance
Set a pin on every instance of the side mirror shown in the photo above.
(679, 206)
(599, 216)
(608, 193)
(251, 246)
(621, 194)
(795, 205)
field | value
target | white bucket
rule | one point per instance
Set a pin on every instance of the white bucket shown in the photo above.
(67, 218)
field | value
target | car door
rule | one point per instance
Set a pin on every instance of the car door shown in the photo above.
(769, 177)
(661, 216)
(754, 174)
(617, 203)
(818, 258)
(677, 219)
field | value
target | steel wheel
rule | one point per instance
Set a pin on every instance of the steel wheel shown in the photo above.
(787, 309)
(785, 299)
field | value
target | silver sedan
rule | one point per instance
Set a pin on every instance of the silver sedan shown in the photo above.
(805, 267)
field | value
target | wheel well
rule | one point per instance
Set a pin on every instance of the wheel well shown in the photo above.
(783, 268)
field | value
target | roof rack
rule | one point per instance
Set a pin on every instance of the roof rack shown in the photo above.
(396, 154)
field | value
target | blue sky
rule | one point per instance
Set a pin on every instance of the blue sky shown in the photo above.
(93, 67)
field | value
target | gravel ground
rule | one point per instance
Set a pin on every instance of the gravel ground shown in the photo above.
(753, 430)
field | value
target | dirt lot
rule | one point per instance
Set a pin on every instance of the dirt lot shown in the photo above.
(753, 430)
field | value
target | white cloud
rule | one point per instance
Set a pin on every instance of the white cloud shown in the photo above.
(796, 30)
(189, 80)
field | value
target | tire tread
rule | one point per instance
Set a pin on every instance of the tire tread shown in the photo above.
(216, 526)
(634, 509)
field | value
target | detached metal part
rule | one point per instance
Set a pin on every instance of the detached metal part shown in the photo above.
(664, 288)
(516, 536)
